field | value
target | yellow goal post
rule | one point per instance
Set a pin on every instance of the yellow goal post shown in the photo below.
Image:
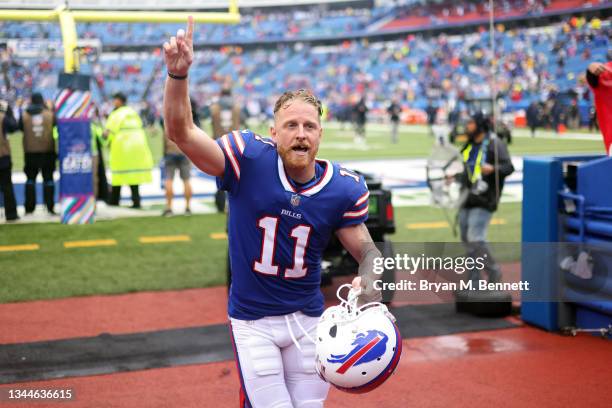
(68, 19)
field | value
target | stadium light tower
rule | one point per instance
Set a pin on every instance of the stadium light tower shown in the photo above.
(68, 18)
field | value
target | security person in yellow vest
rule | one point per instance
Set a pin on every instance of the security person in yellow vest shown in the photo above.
(130, 157)
(8, 124)
(225, 117)
(487, 164)
(37, 124)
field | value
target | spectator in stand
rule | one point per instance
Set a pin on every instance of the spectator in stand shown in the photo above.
(527, 59)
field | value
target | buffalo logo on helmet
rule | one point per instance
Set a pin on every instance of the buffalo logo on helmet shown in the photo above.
(356, 348)
(368, 347)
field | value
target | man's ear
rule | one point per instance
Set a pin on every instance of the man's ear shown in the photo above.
(273, 133)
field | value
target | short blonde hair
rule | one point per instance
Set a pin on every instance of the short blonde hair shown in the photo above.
(301, 94)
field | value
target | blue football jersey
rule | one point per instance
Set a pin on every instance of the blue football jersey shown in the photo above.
(278, 229)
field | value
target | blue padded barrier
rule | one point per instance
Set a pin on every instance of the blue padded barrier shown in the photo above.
(590, 226)
(542, 178)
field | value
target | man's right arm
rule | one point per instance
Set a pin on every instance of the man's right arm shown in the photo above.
(178, 121)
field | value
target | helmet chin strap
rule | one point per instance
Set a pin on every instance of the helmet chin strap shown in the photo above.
(295, 341)
(349, 307)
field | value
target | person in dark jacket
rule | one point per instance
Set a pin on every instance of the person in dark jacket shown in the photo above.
(432, 113)
(360, 111)
(8, 124)
(394, 110)
(534, 116)
(487, 164)
(37, 124)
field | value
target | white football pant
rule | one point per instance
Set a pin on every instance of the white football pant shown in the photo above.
(273, 370)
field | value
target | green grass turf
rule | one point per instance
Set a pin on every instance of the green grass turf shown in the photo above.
(508, 232)
(414, 142)
(54, 271)
(57, 272)
(504, 237)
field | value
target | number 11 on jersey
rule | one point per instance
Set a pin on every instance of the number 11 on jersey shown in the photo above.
(265, 264)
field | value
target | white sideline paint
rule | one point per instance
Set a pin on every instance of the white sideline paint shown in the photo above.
(405, 178)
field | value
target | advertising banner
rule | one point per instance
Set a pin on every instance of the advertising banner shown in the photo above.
(72, 108)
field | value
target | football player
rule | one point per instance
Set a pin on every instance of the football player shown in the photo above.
(284, 204)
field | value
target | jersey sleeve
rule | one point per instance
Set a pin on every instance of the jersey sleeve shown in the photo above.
(356, 210)
(233, 145)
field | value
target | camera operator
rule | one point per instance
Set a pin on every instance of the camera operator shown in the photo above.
(487, 164)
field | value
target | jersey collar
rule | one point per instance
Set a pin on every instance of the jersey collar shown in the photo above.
(312, 190)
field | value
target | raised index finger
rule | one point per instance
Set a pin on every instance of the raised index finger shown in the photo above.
(190, 28)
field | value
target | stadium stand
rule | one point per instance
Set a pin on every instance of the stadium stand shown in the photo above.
(452, 12)
(263, 25)
(415, 66)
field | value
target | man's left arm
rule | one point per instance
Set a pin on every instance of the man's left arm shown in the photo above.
(357, 241)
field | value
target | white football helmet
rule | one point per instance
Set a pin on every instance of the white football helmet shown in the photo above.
(357, 349)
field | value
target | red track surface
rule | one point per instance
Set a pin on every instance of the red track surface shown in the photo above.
(117, 314)
(522, 367)
(90, 316)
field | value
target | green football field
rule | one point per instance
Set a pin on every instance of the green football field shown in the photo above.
(414, 142)
(124, 264)
(127, 265)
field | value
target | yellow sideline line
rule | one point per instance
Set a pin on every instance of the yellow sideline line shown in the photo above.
(218, 235)
(90, 243)
(498, 221)
(24, 247)
(164, 238)
(444, 224)
(427, 225)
